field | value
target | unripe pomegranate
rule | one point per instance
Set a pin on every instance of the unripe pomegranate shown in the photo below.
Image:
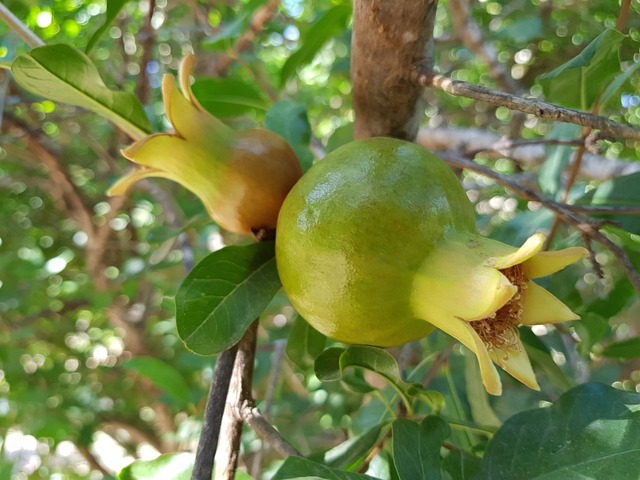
(377, 245)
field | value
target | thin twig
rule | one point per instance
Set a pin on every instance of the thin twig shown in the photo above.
(146, 38)
(583, 223)
(249, 413)
(440, 360)
(527, 105)
(623, 16)
(15, 24)
(245, 42)
(504, 145)
(239, 392)
(214, 410)
(272, 384)
(590, 210)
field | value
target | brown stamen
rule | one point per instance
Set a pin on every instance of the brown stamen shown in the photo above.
(501, 330)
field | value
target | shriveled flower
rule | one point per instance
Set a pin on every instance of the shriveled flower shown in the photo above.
(242, 178)
(480, 291)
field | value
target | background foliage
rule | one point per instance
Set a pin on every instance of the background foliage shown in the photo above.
(92, 372)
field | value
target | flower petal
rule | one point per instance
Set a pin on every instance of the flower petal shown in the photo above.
(454, 283)
(540, 307)
(546, 263)
(182, 162)
(532, 246)
(490, 377)
(184, 74)
(124, 183)
(515, 361)
(192, 123)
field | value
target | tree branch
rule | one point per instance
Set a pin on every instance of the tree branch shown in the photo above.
(588, 226)
(213, 413)
(472, 141)
(528, 105)
(250, 414)
(239, 392)
(19, 28)
(390, 43)
(259, 21)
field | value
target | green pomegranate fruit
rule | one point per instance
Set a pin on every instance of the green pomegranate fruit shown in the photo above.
(355, 229)
(376, 245)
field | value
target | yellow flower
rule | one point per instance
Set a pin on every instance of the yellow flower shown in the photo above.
(241, 178)
(480, 291)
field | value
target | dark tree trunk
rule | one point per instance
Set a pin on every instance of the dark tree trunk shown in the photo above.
(390, 46)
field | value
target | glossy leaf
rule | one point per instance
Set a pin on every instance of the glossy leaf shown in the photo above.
(416, 447)
(62, 73)
(327, 365)
(305, 343)
(579, 82)
(330, 366)
(163, 375)
(332, 23)
(460, 465)
(289, 120)
(228, 97)
(113, 9)
(626, 349)
(224, 294)
(592, 431)
(301, 468)
(176, 466)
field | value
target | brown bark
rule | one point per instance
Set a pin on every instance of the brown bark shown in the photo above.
(390, 46)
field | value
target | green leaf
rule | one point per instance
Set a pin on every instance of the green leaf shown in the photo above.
(541, 358)
(592, 431)
(289, 120)
(163, 375)
(327, 365)
(579, 82)
(330, 366)
(619, 81)
(301, 468)
(305, 343)
(416, 447)
(176, 466)
(354, 451)
(62, 73)
(461, 465)
(228, 97)
(625, 349)
(331, 24)
(113, 8)
(232, 30)
(617, 192)
(224, 294)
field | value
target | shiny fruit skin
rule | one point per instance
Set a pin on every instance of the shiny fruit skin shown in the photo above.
(262, 168)
(355, 229)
